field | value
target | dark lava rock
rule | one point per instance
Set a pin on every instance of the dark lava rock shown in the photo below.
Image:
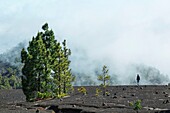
(166, 102)
(132, 95)
(54, 108)
(116, 103)
(37, 111)
(108, 94)
(61, 99)
(141, 87)
(104, 104)
(166, 95)
(115, 96)
(74, 106)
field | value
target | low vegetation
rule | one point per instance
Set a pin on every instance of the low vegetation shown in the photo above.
(98, 91)
(136, 105)
(82, 90)
(104, 78)
(9, 78)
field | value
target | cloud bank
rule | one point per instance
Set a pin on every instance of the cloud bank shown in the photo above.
(116, 33)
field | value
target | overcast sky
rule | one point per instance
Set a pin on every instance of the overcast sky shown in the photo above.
(121, 31)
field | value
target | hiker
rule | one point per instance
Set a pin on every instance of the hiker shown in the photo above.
(138, 79)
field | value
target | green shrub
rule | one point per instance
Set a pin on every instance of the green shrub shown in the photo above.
(98, 91)
(131, 104)
(61, 95)
(107, 93)
(44, 95)
(82, 90)
(137, 105)
(40, 95)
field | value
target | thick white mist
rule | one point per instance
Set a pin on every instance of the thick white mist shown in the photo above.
(112, 32)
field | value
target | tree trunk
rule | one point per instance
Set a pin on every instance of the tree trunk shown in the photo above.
(39, 85)
(59, 79)
(64, 86)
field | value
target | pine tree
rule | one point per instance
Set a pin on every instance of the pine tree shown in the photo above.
(68, 78)
(50, 45)
(33, 60)
(1, 80)
(44, 56)
(57, 67)
(6, 83)
(13, 81)
(63, 76)
(104, 78)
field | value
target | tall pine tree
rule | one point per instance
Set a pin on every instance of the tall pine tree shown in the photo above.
(46, 65)
(67, 78)
(34, 65)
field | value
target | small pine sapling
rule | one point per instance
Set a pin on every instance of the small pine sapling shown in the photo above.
(82, 90)
(136, 106)
(104, 78)
(98, 91)
(107, 93)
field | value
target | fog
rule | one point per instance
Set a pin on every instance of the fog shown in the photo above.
(116, 33)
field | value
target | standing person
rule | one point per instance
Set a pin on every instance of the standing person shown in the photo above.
(138, 79)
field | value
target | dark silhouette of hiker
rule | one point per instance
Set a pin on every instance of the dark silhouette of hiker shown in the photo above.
(138, 79)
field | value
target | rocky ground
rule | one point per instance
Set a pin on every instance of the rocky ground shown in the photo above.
(154, 99)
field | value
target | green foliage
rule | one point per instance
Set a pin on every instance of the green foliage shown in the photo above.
(104, 78)
(63, 76)
(40, 95)
(82, 90)
(12, 58)
(44, 95)
(9, 76)
(107, 93)
(6, 83)
(61, 95)
(46, 65)
(137, 105)
(10, 82)
(98, 91)
(131, 104)
(10, 68)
